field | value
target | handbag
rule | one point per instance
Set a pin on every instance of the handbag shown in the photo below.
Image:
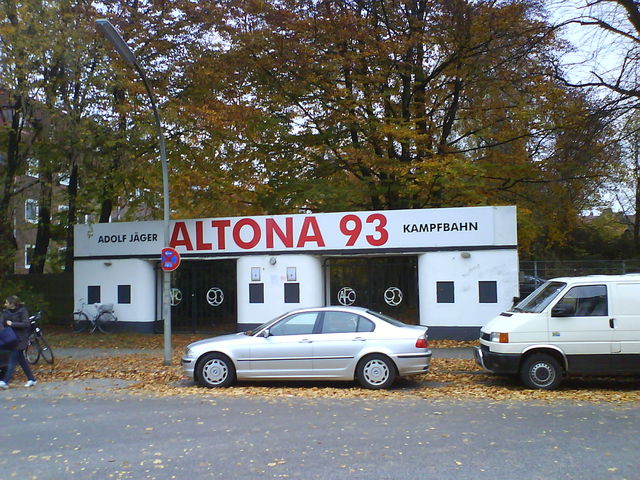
(8, 339)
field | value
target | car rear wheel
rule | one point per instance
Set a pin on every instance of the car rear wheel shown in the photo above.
(541, 371)
(376, 372)
(215, 370)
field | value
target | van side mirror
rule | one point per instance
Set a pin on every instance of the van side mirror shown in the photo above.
(563, 310)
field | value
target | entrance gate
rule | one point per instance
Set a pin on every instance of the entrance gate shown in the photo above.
(204, 296)
(384, 284)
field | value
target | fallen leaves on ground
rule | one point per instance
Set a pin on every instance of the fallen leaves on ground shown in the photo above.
(61, 337)
(447, 379)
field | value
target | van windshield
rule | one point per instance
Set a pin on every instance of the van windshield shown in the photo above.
(538, 300)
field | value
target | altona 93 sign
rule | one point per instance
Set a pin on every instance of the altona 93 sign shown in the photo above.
(324, 232)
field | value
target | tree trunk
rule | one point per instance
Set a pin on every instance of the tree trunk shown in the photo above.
(43, 235)
(636, 219)
(8, 244)
(72, 192)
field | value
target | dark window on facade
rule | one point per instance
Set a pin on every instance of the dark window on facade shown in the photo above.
(291, 293)
(124, 293)
(488, 292)
(93, 294)
(256, 293)
(444, 292)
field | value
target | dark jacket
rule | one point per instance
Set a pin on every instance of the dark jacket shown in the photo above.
(20, 324)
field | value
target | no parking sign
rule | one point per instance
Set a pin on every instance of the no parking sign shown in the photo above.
(169, 259)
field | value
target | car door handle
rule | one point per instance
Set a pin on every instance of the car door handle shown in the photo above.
(358, 339)
(306, 340)
(611, 324)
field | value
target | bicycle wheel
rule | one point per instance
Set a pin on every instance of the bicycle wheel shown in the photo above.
(44, 349)
(80, 322)
(106, 322)
(32, 352)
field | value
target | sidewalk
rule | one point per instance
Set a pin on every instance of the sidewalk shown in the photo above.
(101, 352)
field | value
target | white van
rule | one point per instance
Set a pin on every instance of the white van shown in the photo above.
(567, 326)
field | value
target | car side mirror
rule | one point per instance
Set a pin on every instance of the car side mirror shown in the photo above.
(563, 310)
(265, 333)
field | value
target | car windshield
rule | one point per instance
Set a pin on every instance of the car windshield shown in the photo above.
(255, 330)
(387, 319)
(538, 300)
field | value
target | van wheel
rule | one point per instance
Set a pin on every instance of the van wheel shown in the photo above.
(541, 371)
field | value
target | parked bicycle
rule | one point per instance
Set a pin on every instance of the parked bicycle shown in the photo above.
(37, 346)
(94, 315)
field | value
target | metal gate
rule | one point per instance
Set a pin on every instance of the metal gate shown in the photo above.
(204, 296)
(384, 284)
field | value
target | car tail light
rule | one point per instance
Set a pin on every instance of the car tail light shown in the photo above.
(422, 343)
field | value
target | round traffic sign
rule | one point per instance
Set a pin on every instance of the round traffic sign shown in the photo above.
(169, 259)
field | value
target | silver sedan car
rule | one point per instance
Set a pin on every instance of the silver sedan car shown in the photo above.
(324, 343)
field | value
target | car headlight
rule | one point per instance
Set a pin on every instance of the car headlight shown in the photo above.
(188, 352)
(499, 337)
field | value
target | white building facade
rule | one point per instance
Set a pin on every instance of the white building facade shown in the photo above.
(451, 269)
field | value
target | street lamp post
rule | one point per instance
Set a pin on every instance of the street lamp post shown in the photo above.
(116, 40)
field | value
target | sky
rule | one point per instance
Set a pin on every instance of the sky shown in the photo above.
(594, 50)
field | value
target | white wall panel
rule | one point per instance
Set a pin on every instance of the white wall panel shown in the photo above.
(481, 265)
(273, 277)
(108, 274)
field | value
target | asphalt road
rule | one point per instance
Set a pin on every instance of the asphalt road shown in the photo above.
(90, 430)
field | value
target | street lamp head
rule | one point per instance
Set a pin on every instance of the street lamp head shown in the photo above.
(111, 34)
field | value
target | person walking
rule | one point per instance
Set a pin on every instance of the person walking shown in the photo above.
(16, 316)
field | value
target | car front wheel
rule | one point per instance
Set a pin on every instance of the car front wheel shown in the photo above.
(215, 370)
(376, 372)
(541, 371)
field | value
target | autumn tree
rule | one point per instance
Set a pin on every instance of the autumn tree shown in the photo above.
(49, 61)
(605, 63)
(334, 105)
(164, 37)
(94, 139)
(288, 105)
(20, 49)
(626, 187)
